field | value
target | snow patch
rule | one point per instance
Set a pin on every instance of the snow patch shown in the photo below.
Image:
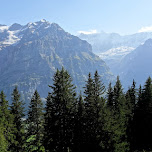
(42, 20)
(3, 28)
(12, 38)
(88, 32)
(115, 53)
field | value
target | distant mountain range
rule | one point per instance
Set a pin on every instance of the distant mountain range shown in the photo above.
(127, 56)
(112, 47)
(30, 55)
(137, 64)
(102, 42)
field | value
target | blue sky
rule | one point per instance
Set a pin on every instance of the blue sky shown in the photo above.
(120, 16)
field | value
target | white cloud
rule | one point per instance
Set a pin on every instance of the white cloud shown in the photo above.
(146, 29)
(88, 32)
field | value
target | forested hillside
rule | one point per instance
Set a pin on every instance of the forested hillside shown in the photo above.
(70, 122)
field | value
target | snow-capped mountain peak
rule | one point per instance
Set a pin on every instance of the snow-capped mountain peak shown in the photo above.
(12, 34)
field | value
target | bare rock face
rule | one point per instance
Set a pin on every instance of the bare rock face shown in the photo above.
(34, 52)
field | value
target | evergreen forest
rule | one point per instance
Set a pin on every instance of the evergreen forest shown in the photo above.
(95, 120)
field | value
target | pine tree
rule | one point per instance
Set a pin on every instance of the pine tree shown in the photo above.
(89, 114)
(131, 104)
(17, 110)
(49, 124)
(79, 126)
(89, 91)
(99, 109)
(99, 88)
(118, 94)
(110, 96)
(131, 96)
(120, 119)
(3, 141)
(140, 94)
(94, 105)
(35, 122)
(109, 126)
(6, 122)
(63, 102)
(143, 118)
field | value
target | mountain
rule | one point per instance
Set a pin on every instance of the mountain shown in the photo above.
(112, 47)
(102, 42)
(114, 56)
(136, 65)
(30, 55)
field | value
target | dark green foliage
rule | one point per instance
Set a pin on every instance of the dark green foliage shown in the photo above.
(31, 146)
(120, 118)
(49, 125)
(35, 121)
(63, 110)
(17, 110)
(89, 91)
(143, 118)
(118, 95)
(94, 105)
(79, 126)
(116, 120)
(110, 100)
(6, 123)
(109, 126)
(3, 141)
(131, 97)
(120, 123)
(99, 87)
(89, 115)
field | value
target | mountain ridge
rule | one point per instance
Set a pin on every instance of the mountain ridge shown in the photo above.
(135, 65)
(40, 49)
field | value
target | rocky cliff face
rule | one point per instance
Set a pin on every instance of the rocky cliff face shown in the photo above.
(34, 52)
(136, 65)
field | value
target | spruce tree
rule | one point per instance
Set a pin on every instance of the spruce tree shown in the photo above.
(99, 88)
(89, 91)
(94, 105)
(79, 126)
(131, 104)
(89, 114)
(118, 94)
(63, 102)
(17, 110)
(139, 95)
(49, 124)
(99, 109)
(6, 122)
(143, 118)
(131, 95)
(110, 96)
(3, 141)
(120, 112)
(35, 123)
(109, 126)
